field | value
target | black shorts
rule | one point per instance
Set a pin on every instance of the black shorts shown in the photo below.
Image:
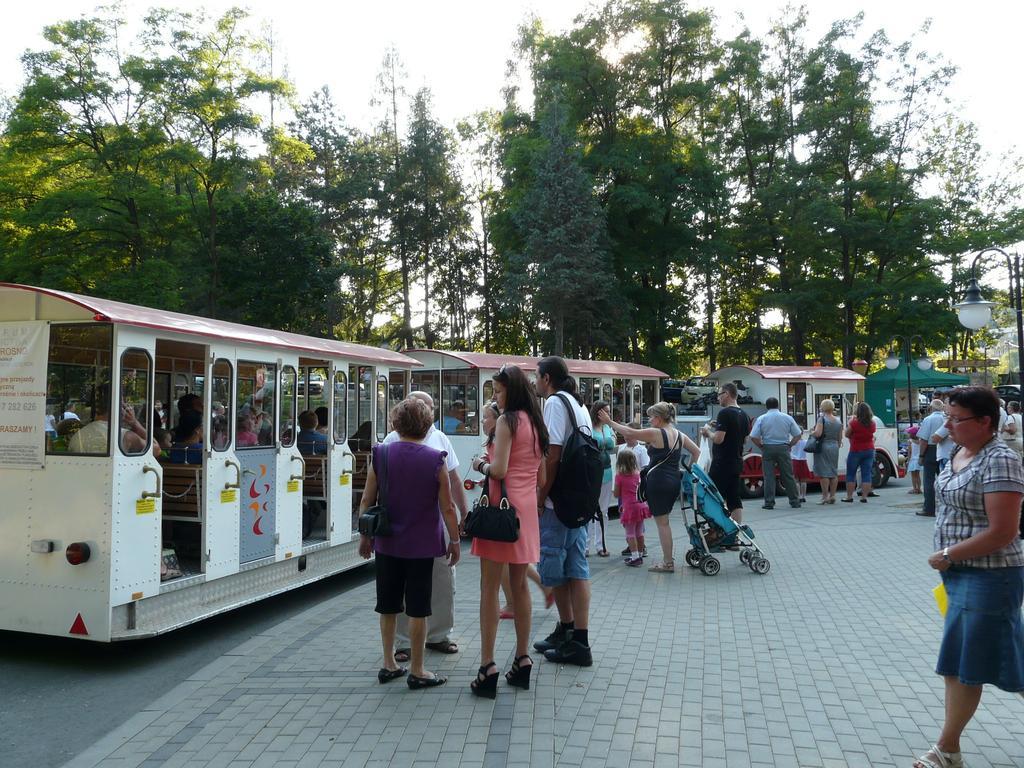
(727, 480)
(405, 578)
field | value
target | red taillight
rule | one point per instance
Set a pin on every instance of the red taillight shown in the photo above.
(77, 553)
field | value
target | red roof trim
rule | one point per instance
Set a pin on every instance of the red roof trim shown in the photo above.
(175, 322)
(797, 372)
(578, 367)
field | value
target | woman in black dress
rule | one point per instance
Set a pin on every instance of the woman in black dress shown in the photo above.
(665, 445)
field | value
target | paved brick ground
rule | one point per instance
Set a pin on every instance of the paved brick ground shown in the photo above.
(825, 661)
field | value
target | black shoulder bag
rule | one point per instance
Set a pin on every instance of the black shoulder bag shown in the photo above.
(494, 523)
(813, 444)
(375, 520)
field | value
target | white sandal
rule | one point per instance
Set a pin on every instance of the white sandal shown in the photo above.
(936, 758)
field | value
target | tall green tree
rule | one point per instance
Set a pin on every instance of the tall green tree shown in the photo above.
(564, 268)
(205, 76)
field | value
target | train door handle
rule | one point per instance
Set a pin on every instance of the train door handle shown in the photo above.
(158, 492)
(301, 461)
(238, 475)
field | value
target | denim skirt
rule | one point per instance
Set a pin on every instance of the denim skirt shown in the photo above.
(983, 638)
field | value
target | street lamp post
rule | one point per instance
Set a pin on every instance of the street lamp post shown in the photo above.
(974, 312)
(892, 362)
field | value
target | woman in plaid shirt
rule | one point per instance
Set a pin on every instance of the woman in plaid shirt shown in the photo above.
(981, 558)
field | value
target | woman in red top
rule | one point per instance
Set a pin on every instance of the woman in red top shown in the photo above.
(861, 431)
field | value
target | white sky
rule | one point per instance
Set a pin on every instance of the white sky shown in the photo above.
(459, 48)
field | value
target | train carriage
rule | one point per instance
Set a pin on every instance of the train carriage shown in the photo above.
(102, 540)
(800, 391)
(460, 383)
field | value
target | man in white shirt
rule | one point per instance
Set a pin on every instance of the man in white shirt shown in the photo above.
(563, 563)
(929, 459)
(441, 621)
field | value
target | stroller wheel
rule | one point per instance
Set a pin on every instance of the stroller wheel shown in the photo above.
(760, 565)
(710, 566)
(693, 558)
(745, 556)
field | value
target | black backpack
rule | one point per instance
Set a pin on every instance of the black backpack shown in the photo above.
(576, 492)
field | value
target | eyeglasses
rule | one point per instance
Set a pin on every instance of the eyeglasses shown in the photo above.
(954, 420)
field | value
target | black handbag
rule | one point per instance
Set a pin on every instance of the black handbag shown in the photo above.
(494, 523)
(813, 444)
(375, 521)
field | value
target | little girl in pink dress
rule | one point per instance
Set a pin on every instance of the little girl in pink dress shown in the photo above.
(631, 511)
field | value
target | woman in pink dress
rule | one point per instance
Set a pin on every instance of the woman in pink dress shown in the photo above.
(517, 457)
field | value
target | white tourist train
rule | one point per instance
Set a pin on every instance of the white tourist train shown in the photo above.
(102, 540)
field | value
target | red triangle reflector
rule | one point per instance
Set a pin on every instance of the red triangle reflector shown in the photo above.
(78, 628)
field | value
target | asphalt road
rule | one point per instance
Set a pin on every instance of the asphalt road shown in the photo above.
(59, 696)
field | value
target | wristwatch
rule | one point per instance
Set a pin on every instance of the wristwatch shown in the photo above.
(945, 555)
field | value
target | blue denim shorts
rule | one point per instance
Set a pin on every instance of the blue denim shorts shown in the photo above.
(862, 460)
(562, 551)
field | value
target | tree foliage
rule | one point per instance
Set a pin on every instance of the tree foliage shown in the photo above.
(662, 194)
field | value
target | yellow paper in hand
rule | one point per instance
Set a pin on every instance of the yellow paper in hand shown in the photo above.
(941, 600)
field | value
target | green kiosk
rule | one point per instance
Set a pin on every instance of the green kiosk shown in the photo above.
(886, 390)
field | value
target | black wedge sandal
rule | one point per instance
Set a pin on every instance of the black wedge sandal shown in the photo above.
(486, 685)
(519, 676)
(385, 675)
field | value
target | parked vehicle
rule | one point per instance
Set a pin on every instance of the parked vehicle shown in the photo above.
(698, 386)
(672, 390)
(316, 384)
(1009, 392)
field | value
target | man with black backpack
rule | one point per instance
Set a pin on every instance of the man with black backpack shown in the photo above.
(568, 500)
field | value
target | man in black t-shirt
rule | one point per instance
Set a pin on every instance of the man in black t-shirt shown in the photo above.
(727, 439)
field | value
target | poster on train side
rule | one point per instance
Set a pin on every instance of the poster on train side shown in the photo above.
(23, 348)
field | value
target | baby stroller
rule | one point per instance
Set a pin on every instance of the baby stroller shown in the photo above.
(713, 531)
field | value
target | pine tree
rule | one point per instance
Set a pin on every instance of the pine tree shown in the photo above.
(566, 263)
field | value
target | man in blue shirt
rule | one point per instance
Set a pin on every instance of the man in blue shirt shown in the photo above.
(309, 441)
(775, 433)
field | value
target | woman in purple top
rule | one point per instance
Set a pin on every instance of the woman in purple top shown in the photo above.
(419, 503)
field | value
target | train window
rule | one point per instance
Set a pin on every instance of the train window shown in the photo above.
(135, 416)
(162, 398)
(396, 388)
(222, 407)
(429, 382)
(650, 390)
(314, 393)
(78, 387)
(796, 402)
(288, 426)
(255, 391)
(618, 401)
(460, 402)
(587, 390)
(360, 406)
(340, 398)
(382, 408)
